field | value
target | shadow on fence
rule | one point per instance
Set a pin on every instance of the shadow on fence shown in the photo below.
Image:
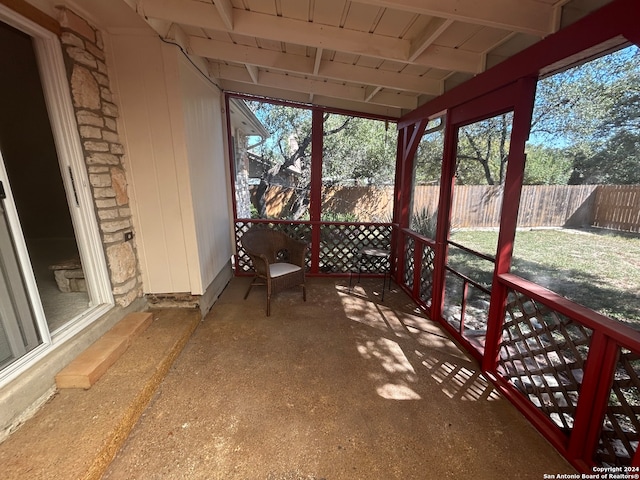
(615, 207)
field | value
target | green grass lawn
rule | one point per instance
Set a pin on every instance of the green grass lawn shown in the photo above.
(599, 269)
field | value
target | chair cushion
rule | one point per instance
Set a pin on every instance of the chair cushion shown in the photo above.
(279, 269)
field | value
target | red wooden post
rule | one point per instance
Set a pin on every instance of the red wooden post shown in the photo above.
(397, 246)
(594, 397)
(315, 200)
(523, 110)
(447, 179)
(408, 140)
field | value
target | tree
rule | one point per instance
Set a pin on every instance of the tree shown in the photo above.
(588, 115)
(616, 163)
(354, 149)
(363, 152)
(591, 114)
(547, 166)
(288, 152)
(428, 160)
(483, 149)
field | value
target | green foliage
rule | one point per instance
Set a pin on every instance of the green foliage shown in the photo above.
(617, 162)
(355, 150)
(428, 160)
(547, 166)
(585, 129)
(338, 217)
(358, 150)
(590, 114)
(424, 222)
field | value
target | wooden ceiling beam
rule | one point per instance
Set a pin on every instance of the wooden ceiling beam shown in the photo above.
(237, 74)
(525, 16)
(286, 30)
(225, 10)
(271, 59)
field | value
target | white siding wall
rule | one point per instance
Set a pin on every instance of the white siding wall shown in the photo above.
(172, 131)
(202, 104)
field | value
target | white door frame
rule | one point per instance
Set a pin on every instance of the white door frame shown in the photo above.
(55, 85)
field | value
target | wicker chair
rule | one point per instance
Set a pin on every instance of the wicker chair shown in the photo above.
(278, 261)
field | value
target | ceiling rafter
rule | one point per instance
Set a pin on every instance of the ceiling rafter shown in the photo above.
(428, 36)
(289, 30)
(525, 16)
(253, 73)
(229, 52)
(311, 86)
(318, 60)
(225, 10)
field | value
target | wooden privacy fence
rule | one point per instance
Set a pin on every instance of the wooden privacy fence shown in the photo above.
(478, 206)
(614, 207)
(617, 207)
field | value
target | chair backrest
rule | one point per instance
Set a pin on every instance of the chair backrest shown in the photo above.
(263, 241)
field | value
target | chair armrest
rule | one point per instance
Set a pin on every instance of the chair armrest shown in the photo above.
(260, 264)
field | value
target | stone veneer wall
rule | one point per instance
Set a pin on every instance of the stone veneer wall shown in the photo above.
(96, 115)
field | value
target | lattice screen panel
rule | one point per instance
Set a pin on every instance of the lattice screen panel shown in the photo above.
(619, 436)
(409, 248)
(426, 274)
(542, 353)
(340, 244)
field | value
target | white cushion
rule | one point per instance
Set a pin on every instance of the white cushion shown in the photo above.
(278, 269)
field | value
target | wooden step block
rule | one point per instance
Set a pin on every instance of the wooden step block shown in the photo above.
(90, 365)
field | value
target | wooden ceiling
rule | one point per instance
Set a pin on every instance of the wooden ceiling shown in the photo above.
(377, 56)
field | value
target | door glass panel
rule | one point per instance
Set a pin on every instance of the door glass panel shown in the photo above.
(18, 332)
(481, 165)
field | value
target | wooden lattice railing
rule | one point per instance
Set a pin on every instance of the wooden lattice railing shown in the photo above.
(542, 354)
(577, 374)
(337, 246)
(620, 431)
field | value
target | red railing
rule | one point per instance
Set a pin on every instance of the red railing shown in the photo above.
(573, 372)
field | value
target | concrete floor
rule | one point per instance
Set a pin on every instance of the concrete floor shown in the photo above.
(339, 387)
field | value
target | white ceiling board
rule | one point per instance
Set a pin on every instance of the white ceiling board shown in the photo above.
(361, 51)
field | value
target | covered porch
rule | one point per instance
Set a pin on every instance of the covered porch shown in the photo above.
(345, 385)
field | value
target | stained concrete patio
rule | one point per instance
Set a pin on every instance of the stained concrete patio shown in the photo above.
(340, 387)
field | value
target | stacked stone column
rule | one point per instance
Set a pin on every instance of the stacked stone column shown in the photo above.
(96, 115)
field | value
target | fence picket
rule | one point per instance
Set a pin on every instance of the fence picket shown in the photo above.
(615, 207)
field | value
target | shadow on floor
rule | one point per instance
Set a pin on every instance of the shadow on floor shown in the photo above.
(339, 387)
